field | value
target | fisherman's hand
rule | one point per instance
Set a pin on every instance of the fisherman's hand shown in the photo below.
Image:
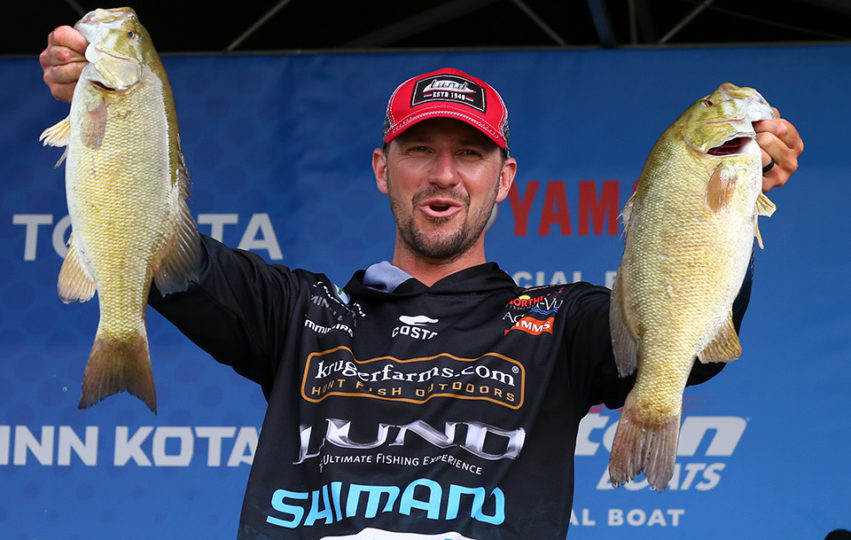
(780, 142)
(62, 61)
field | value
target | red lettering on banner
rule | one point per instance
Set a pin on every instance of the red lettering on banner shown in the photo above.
(521, 207)
(593, 209)
(555, 209)
(598, 214)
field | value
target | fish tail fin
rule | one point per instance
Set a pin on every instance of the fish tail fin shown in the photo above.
(116, 365)
(644, 446)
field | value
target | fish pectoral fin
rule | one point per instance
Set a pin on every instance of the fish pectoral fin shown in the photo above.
(75, 283)
(623, 327)
(720, 189)
(181, 256)
(764, 206)
(93, 124)
(724, 347)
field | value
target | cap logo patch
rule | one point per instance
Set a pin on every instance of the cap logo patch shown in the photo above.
(449, 88)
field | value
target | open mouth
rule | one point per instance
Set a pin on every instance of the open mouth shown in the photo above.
(440, 208)
(102, 86)
(733, 146)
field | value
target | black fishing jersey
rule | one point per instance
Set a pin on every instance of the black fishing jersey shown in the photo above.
(442, 412)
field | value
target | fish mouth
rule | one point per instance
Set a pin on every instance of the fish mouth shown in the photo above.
(730, 147)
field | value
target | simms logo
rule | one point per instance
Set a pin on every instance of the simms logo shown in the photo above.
(533, 326)
(490, 377)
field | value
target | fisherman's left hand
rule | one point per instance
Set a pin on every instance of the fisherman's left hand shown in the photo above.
(781, 142)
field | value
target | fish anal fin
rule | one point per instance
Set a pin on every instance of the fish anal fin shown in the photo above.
(724, 347)
(720, 189)
(644, 446)
(58, 135)
(180, 257)
(117, 365)
(623, 326)
(74, 283)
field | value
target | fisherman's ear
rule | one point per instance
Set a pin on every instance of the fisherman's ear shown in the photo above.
(506, 178)
(379, 167)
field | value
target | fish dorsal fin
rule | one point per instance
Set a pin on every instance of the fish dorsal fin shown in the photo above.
(180, 257)
(75, 283)
(628, 211)
(725, 346)
(720, 189)
(623, 326)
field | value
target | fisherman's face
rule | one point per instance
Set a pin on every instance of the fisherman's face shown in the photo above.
(443, 178)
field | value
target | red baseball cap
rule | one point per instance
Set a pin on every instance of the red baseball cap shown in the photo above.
(447, 93)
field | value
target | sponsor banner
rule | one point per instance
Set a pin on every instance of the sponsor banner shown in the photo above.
(280, 167)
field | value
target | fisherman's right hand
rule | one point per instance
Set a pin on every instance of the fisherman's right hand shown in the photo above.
(62, 61)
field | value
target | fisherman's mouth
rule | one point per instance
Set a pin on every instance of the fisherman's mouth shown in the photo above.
(440, 209)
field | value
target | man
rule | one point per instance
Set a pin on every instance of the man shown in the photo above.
(431, 397)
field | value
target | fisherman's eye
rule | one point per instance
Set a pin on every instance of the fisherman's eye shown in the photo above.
(707, 103)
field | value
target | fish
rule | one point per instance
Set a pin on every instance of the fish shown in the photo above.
(689, 231)
(126, 186)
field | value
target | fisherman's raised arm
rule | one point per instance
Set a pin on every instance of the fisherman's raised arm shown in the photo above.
(62, 61)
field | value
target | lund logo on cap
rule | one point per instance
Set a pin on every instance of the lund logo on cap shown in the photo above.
(449, 88)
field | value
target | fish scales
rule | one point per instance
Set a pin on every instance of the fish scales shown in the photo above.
(126, 189)
(689, 231)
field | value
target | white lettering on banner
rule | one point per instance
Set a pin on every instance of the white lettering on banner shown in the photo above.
(259, 234)
(525, 278)
(259, 223)
(146, 446)
(538, 278)
(637, 517)
(42, 447)
(217, 223)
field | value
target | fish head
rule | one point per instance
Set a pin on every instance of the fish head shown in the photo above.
(118, 47)
(721, 124)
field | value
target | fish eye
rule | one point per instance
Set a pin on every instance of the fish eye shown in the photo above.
(707, 103)
(131, 34)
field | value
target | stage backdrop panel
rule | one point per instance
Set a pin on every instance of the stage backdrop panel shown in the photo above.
(279, 150)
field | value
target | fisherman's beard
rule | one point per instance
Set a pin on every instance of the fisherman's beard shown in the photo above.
(441, 244)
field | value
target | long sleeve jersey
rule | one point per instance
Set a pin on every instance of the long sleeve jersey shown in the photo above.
(442, 412)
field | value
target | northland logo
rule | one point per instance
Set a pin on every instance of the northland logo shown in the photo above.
(449, 88)
(412, 326)
(453, 86)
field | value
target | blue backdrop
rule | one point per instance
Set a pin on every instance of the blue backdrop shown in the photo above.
(279, 149)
